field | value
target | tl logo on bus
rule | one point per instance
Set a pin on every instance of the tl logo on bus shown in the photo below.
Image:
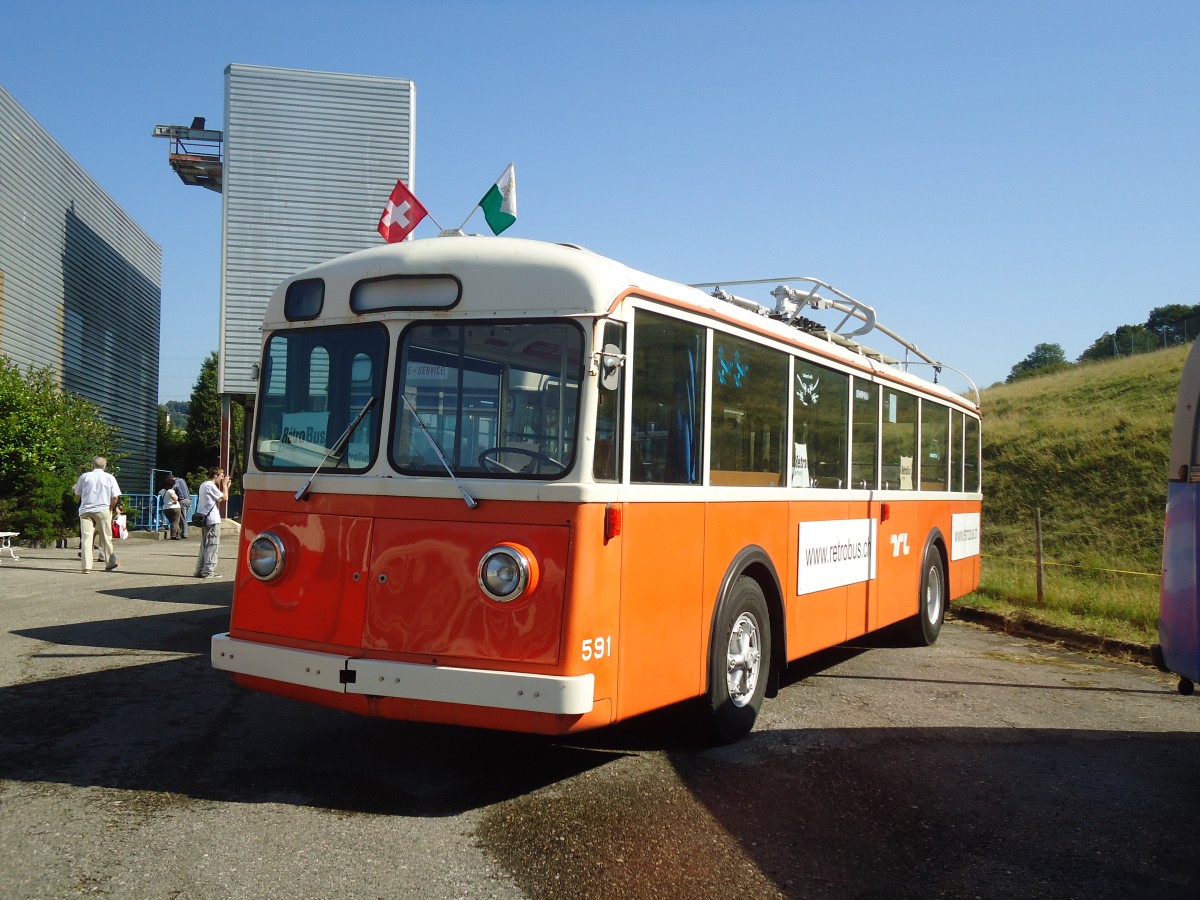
(899, 544)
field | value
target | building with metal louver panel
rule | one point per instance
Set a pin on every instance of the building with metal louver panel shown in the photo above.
(310, 159)
(80, 286)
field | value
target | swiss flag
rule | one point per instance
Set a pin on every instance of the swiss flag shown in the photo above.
(401, 215)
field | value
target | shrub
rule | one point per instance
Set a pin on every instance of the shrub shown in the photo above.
(47, 438)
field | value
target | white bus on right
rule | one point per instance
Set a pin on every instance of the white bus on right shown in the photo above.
(1178, 650)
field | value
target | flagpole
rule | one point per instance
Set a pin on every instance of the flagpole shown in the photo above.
(468, 218)
(479, 205)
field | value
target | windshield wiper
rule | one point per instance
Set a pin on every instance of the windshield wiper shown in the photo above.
(336, 451)
(471, 501)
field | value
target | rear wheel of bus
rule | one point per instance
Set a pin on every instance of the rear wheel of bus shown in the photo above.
(739, 662)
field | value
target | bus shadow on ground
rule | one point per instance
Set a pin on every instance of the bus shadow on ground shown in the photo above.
(181, 731)
(874, 812)
(179, 632)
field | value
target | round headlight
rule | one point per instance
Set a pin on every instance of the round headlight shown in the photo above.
(265, 556)
(504, 573)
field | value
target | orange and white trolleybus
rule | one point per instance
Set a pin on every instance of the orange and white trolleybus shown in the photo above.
(517, 485)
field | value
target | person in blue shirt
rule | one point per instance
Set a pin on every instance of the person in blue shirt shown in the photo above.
(185, 505)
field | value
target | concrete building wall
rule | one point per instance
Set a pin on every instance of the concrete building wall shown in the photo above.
(310, 159)
(80, 286)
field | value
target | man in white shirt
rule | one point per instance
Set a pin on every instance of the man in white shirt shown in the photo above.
(98, 494)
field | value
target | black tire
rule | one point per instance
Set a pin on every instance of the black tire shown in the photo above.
(923, 628)
(739, 660)
(1186, 687)
(1157, 659)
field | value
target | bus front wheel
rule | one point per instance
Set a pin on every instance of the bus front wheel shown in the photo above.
(923, 629)
(739, 660)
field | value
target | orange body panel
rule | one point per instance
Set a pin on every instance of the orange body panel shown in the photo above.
(396, 579)
(730, 528)
(592, 614)
(816, 620)
(424, 597)
(662, 602)
(319, 600)
(900, 541)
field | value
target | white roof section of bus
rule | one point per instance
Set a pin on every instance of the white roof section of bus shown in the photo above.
(570, 281)
(494, 271)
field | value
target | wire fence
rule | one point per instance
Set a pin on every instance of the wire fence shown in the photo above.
(1100, 554)
(1047, 562)
(1129, 342)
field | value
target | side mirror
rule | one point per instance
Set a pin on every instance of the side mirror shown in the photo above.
(612, 360)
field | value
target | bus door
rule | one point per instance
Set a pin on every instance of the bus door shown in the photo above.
(864, 508)
(899, 542)
(832, 474)
(662, 532)
(897, 551)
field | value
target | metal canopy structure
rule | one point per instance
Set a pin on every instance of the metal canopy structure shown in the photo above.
(195, 153)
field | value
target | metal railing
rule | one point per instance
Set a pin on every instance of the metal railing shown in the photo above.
(144, 511)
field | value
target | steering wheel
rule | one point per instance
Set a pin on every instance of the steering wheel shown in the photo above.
(490, 461)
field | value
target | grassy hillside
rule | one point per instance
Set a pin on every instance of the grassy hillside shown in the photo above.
(1089, 448)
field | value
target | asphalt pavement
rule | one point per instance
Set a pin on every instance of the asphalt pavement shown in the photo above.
(142, 553)
(46, 587)
(984, 766)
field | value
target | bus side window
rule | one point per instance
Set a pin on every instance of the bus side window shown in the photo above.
(935, 445)
(607, 452)
(749, 412)
(956, 450)
(899, 441)
(668, 392)
(865, 409)
(971, 456)
(820, 425)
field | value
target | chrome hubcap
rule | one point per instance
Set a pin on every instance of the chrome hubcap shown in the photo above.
(933, 596)
(743, 659)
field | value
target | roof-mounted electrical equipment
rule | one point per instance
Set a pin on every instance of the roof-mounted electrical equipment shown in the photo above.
(813, 293)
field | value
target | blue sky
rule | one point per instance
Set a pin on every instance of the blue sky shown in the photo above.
(988, 176)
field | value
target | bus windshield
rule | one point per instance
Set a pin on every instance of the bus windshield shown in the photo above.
(314, 383)
(499, 398)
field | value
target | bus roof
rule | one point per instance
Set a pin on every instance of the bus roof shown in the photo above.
(496, 274)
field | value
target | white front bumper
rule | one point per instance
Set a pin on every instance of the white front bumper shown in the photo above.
(557, 694)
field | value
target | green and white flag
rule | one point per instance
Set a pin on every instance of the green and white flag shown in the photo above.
(499, 204)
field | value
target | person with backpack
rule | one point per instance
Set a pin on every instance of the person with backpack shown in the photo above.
(211, 494)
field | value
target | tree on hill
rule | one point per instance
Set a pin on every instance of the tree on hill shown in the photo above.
(177, 411)
(1125, 341)
(1044, 359)
(1174, 323)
